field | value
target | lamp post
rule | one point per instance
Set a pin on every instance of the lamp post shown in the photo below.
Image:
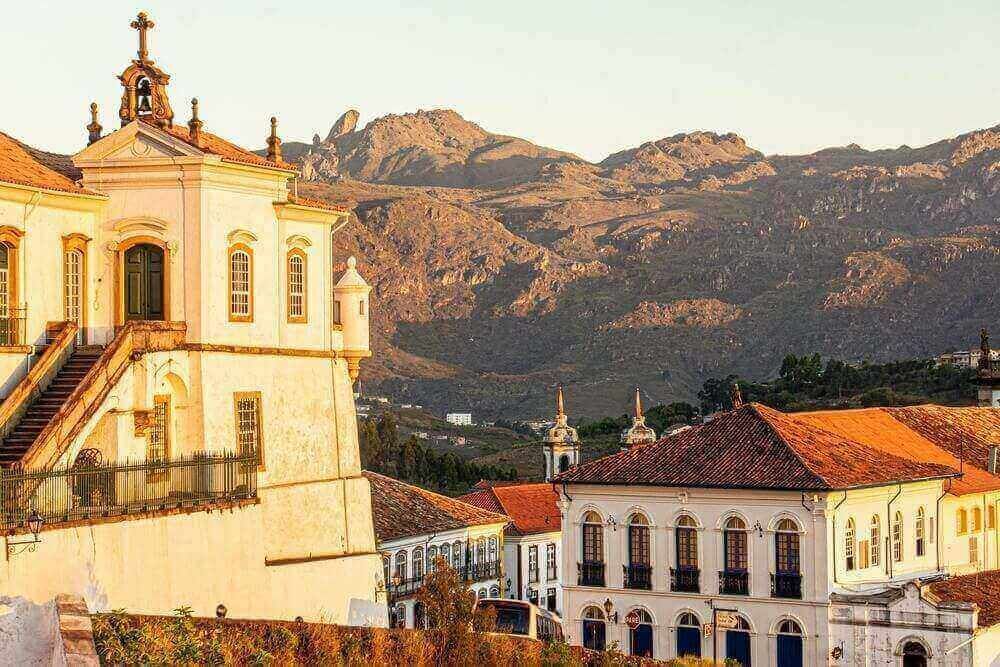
(34, 523)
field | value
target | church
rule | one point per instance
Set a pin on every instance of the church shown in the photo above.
(176, 367)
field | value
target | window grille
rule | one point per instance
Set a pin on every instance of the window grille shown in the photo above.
(239, 285)
(248, 424)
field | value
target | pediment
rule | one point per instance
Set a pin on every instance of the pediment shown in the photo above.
(136, 141)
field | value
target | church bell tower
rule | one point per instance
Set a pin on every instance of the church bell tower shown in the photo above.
(561, 445)
(145, 94)
(638, 433)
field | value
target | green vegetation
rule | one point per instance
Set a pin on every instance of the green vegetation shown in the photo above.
(412, 461)
(806, 383)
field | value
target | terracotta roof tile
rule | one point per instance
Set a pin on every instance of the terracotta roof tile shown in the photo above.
(981, 588)
(317, 203)
(21, 164)
(228, 151)
(755, 447)
(927, 433)
(403, 510)
(532, 508)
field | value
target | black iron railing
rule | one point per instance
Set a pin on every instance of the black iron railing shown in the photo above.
(472, 573)
(734, 582)
(591, 573)
(481, 571)
(104, 490)
(786, 585)
(638, 575)
(12, 327)
(685, 580)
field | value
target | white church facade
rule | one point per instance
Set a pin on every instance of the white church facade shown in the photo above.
(176, 366)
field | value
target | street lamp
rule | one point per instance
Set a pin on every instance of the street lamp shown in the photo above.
(34, 523)
(221, 611)
(608, 607)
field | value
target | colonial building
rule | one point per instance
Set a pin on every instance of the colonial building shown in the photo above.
(811, 538)
(532, 539)
(176, 362)
(415, 528)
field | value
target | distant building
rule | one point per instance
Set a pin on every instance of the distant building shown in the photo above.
(532, 539)
(422, 435)
(459, 418)
(459, 440)
(561, 445)
(638, 433)
(414, 527)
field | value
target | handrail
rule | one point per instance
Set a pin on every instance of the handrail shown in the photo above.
(38, 377)
(131, 341)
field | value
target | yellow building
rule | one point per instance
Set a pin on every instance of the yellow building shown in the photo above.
(176, 364)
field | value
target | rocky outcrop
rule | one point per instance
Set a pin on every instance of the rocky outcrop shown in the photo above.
(346, 124)
(695, 313)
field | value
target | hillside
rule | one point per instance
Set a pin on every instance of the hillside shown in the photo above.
(501, 268)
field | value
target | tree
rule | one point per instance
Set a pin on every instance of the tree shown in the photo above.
(452, 615)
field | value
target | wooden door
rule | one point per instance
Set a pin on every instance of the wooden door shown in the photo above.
(144, 283)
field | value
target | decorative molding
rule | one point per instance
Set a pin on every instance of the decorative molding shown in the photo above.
(298, 241)
(241, 236)
(143, 225)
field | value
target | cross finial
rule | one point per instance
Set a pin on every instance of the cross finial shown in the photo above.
(142, 24)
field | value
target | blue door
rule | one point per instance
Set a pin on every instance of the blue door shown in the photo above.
(738, 647)
(688, 642)
(593, 635)
(789, 651)
(642, 640)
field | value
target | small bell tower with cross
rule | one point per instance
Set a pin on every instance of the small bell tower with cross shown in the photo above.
(145, 94)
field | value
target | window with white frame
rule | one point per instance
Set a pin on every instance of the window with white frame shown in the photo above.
(897, 537)
(248, 424)
(296, 286)
(551, 569)
(875, 541)
(418, 563)
(849, 544)
(919, 527)
(240, 284)
(533, 563)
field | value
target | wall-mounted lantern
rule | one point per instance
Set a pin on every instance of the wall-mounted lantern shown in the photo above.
(34, 523)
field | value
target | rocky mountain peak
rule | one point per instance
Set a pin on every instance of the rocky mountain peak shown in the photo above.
(347, 122)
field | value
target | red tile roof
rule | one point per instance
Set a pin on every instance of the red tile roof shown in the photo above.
(403, 510)
(756, 447)
(228, 151)
(317, 203)
(927, 433)
(532, 508)
(981, 588)
(21, 164)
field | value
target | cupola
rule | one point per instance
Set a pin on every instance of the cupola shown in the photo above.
(638, 433)
(145, 84)
(350, 313)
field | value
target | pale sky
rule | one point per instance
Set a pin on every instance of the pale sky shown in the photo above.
(586, 77)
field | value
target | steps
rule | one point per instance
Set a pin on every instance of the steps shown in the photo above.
(41, 411)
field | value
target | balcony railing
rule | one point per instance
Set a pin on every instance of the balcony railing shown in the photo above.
(591, 573)
(12, 327)
(786, 585)
(734, 582)
(472, 574)
(551, 573)
(685, 580)
(97, 490)
(638, 576)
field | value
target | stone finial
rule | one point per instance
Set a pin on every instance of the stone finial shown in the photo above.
(560, 407)
(273, 142)
(195, 124)
(94, 129)
(737, 396)
(638, 405)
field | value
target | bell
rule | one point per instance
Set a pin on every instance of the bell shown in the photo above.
(144, 106)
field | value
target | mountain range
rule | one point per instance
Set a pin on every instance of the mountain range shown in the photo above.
(501, 268)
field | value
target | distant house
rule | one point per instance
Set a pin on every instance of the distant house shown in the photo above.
(459, 440)
(532, 539)
(421, 434)
(414, 527)
(459, 418)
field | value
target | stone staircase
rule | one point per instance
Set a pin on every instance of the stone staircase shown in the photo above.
(47, 404)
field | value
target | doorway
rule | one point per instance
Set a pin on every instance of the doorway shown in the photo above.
(914, 655)
(738, 647)
(144, 283)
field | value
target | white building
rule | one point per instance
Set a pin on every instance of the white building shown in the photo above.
(414, 527)
(532, 539)
(819, 538)
(169, 322)
(459, 418)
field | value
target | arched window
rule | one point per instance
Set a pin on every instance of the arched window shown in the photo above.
(688, 636)
(386, 567)
(564, 463)
(456, 555)
(10, 313)
(638, 574)
(493, 550)
(919, 527)
(418, 563)
(786, 547)
(398, 617)
(494, 591)
(849, 544)
(594, 629)
(74, 281)
(481, 593)
(641, 637)
(481, 550)
(687, 543)
(875, 543)
(914, 654)
(897, 537)
(962, 521)
(240, 283)
(977, 519)
(738, 642)
(297, 292)
(446, 554)
(432, 555)
(592, 568)
(400, 565)
(735, 579)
